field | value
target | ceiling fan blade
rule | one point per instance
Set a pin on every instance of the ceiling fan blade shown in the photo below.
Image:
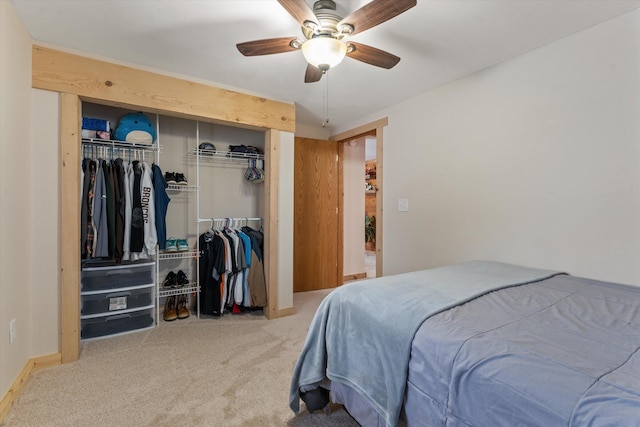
(300, 10)
(372, 55)
(376, 12)
(266, 46)
(313, 74)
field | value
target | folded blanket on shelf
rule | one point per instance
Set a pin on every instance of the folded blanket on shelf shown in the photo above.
(89, 123)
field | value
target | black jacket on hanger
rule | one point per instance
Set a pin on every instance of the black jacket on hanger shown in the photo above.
(210, 271)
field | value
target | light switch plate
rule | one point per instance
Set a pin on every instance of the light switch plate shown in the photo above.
(403, 205)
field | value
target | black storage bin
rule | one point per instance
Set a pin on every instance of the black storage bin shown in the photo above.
(97, 275)
(116, 300)
(96, 327)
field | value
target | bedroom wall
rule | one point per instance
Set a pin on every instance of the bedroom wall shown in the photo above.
(353, 216)
(45, 230)
(15, 196)
(534, 161)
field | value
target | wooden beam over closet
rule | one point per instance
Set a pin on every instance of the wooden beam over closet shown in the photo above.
(128, 87)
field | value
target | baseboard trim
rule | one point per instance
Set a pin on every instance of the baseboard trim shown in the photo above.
(16, 388)
(285, 312)
(356, 276)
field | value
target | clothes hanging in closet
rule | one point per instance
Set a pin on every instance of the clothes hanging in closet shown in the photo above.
(231, 275)
(100, 241)
(118, 177)
(118, 211)
(212, 267)
(140, 229)
(161, 204)
(257, 281)
(89, 168)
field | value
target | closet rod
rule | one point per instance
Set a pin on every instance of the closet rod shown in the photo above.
(229, 221)
(242, 218)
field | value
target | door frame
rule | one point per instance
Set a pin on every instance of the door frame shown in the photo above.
(376, 129)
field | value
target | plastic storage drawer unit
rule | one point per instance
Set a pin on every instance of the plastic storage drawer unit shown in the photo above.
(101, 326)
(108, 302)
(98, 276)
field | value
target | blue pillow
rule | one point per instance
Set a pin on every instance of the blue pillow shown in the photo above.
(136, 127)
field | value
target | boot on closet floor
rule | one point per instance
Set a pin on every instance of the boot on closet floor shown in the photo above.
(183, 311)
(170, 310)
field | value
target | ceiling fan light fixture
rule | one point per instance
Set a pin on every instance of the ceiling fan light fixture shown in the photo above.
(324, 51)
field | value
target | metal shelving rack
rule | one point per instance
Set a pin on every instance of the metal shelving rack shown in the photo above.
(193, 286)
(161, 291)
(200, 155)
(227, 156)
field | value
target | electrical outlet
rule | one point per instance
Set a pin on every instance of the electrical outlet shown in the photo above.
(12, 331)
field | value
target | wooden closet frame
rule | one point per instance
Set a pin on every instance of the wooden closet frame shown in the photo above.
(78, 78)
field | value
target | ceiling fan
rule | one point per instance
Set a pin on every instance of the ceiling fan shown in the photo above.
(324, 31)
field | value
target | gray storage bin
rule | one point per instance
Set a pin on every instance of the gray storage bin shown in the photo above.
(116, 300)
(96, 277)
(96, 327)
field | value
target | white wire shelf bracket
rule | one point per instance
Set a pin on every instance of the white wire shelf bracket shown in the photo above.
(176, 187)
(177, 255)
(120, 144)
(226, 155)
(186, 289)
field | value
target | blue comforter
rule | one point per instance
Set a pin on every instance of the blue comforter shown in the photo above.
(560, 352)
(362, 332)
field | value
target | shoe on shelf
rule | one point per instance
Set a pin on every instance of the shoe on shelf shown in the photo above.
(171, 245)
(170, 177)
(170, 309)
(181, 308)
(180, 179)
(171, 280)
(182, 245)
(181, 279)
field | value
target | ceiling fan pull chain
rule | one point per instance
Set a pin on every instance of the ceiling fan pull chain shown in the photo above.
(326, 100)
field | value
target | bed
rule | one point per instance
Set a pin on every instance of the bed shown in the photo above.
(477, 344)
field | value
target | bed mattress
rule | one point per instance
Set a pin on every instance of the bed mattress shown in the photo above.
(559, 352)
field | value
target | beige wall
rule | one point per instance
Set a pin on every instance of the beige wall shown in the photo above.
(535, 161)
(304, 131)
(45, 236)
(285, 220)
(353, 172)
(16, 213)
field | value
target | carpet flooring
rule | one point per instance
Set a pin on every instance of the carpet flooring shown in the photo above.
(228, 371)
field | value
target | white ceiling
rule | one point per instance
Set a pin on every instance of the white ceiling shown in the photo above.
(438, 40)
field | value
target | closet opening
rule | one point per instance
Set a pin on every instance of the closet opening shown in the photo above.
(201, 202)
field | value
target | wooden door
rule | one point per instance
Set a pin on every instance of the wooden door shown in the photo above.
(316, 225)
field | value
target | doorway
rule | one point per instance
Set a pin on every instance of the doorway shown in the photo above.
(359, 183)
(370, 205)
(319, 209)
(369, 136)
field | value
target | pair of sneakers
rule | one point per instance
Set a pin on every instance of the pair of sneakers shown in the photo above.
(175, 178)
(176, 245)
(173, 280)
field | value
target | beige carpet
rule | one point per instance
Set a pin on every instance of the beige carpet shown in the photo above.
(231, 371)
